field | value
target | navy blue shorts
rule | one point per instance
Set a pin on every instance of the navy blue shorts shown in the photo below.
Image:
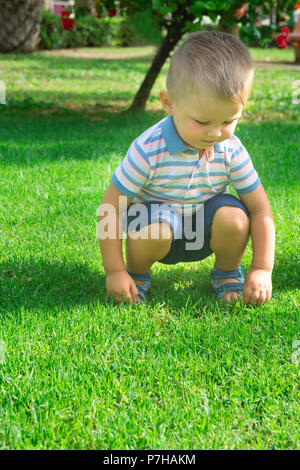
(191, 235)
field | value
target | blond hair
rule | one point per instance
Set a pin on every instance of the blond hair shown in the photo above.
(211, 60)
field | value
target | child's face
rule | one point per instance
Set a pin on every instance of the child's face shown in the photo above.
(202, 120)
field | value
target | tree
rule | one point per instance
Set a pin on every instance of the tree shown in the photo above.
(20, 22)
(177, 17)
(181, 16)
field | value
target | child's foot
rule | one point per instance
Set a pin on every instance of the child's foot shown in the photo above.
(139, 283)
(230, 296)
(143, 284)
(228, 285)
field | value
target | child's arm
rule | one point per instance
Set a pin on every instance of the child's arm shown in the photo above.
(119, 285)
(258, 282)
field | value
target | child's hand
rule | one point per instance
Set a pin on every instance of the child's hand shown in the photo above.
(121, 287)
(257, 287)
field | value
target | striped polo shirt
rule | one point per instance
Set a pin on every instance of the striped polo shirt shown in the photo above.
(159, 166)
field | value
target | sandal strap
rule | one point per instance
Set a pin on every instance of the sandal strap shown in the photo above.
(140, 277)
(220, 274)
(221, 288)
(142, 289)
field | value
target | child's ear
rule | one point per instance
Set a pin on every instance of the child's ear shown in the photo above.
(166, 101)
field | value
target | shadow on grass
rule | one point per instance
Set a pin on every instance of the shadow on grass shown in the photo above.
(180, 286)
(55, 286)
(49, 285)
(45, 137)
(76, 136)
(45, 285)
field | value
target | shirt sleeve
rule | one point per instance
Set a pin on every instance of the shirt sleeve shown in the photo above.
(243, 176)
(133, 172)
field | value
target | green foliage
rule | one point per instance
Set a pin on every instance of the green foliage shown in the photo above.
(92, 32)
(138, 29)
(168, 12)
(142, 21)
(261, 35)
(165, 8)
(257, 36)
(258, 7)
(88, 31)
(51, 30)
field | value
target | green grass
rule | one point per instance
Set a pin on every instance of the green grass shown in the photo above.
(181, 372)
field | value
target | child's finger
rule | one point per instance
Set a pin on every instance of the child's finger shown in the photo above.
(134, 291)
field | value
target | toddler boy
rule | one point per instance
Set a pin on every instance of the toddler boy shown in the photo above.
(171, 189)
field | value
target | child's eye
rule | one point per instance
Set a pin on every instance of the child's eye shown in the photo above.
(226, 122)
(202, 123)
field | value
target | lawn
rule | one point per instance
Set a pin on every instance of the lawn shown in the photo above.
(181, 371)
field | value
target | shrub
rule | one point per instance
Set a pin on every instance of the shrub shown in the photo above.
(51, 31)
(257, 36)
(140, 29)
(89, 31)
(261, 36)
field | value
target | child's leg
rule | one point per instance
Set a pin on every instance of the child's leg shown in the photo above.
(229, 238)
(154, 243)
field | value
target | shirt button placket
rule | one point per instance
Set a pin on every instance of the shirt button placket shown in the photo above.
(192, 186)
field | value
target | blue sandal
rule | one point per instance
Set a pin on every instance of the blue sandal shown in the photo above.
(221, 288)
(142, 289)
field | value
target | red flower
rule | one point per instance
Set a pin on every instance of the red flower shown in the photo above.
(65, 14)
(67, 22)
(281, 41)
(241, 11)
(286, 33)
(112, 12)
(297, 6)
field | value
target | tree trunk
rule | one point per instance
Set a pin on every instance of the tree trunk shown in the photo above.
(229, 29)
(161, 56)
(20, 23)
(175, 33)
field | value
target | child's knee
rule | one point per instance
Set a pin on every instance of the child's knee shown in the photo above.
(157, 231)
(230, 219)
(153, 240)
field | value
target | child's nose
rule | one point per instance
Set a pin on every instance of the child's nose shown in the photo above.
(215, 132)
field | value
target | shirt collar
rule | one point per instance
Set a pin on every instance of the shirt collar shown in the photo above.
(175, 144)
